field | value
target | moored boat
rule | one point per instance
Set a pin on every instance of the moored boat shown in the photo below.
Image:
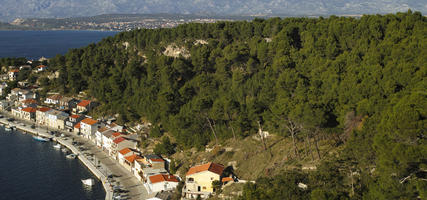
(88, 181)
(71, 156)
(65, 150)
(40, 139)
(7, 128)
(57, 146)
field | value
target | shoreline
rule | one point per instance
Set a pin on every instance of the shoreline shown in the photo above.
(81, 156)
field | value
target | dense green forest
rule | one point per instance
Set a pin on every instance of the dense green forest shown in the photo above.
(358, 82)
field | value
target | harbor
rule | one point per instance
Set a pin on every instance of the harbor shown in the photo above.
(109, 172)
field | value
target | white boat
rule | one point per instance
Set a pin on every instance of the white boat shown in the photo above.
(7, 128)
(40, 139)
(57, 146)
(71, 156)
(13, 128)
(88, 181)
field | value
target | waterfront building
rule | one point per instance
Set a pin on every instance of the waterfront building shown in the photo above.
(84, 106)
(88, 127)
(56, 119)
(121, 143)
(72, 121)
(198, 181)
(41, 117)
(28, 113)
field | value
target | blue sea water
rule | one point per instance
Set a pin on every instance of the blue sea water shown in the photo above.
(31, 170)
(35, 44)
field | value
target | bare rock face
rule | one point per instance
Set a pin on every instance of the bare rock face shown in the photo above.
(174, 51)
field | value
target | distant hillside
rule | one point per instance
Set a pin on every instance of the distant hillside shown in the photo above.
(12, 9)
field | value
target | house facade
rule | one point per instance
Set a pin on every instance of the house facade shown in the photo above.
(53, 99)
(161, 182)
(198, 181)
(88, 127)
(29, 113)
(41, 117)
(56, 119)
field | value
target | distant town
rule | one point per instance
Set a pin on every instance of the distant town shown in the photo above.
(113, 22)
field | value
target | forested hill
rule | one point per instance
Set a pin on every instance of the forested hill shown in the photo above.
(359, 81)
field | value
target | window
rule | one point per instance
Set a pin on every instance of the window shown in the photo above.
(198, 188)
(212, 178)
(204, 187)
(190, 179)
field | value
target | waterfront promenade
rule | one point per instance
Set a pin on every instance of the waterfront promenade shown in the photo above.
(97, 161)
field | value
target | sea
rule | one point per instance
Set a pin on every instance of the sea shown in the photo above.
(37, 44)
(31, 170)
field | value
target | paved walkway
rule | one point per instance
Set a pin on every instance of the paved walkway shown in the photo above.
(105, 164)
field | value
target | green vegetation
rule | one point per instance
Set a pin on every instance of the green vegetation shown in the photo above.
(358, 83)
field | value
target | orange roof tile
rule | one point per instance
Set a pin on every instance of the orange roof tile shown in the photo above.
(157, 160)
(89, 121)
(77, 125)
(29, 109)
(124, 151)
(212, 167)
(162, 177)
(116, 134)
(226, 179)
(75, 116)
(118, 140)
(41, 66)
(132, 158)
(84, 103)
(14, 70)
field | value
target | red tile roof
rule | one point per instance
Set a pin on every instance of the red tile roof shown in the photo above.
(41, 66)
(84, 103)
(118, 140)
(89, 121)
(29, 109)
(75, 116)
(226, 179)
(124, 151)
(43, 109)
(14, 70)
(116, 134)
(132, 158)
(77, 125)
(162, 177)
(157, 160)
(212, 167)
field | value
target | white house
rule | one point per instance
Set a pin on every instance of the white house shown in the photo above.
(13, 74)
(53, 99)
(161, 182)
(88, 127)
